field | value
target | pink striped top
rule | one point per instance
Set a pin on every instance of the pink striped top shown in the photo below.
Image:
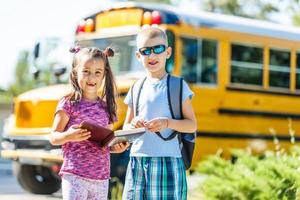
(85, 158)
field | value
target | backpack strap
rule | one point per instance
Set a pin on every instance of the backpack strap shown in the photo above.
(174, 87)
(175, 96)
(136, 89)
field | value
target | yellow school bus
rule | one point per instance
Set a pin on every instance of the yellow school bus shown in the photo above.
(245, 75)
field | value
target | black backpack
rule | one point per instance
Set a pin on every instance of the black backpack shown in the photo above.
(186, 140)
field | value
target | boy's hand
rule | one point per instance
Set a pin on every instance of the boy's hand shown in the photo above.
(119, 148)
(137, 122)
(76, 134)
(157, 124)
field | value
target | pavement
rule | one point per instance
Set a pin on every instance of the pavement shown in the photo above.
(11, 190)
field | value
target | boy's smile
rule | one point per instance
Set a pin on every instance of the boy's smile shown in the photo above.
(153, 62)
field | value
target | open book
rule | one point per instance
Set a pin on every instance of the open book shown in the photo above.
(106, 137)
(128, 135)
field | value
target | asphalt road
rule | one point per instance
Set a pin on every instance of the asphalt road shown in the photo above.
(11, 190)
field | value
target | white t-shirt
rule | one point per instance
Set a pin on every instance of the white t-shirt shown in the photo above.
(153, 103)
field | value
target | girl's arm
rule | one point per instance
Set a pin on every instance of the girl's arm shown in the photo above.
(120, 147)
(58, 136)
(186, 125)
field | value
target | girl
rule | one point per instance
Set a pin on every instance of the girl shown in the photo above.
(86, 167)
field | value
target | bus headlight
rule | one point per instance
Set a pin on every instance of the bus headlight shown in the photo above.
(6, 145)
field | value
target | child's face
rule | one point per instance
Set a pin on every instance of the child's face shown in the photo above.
(154, 63)
(90, 73)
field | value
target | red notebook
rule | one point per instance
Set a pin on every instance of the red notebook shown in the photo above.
(99, 134)
(107, 137)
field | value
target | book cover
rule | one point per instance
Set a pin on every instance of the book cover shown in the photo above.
(106, 137)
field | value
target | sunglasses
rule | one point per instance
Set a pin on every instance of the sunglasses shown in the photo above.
(157, 49)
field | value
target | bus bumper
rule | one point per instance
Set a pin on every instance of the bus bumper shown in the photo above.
(34, 151)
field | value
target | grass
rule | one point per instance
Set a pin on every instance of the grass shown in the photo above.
(5, 98)
(272, 175)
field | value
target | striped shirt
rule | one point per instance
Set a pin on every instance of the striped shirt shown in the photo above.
(85, 158)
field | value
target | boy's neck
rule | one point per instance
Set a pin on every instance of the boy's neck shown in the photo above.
(158, 75)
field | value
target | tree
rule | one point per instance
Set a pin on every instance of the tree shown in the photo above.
(294, 7)
(244, 8)
(23, 79)
(22, 68)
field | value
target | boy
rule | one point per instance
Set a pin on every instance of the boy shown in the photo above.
(156, 169)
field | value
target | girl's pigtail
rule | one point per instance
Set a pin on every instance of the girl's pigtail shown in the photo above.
(110, 89)
(108, 52)
(74, 49)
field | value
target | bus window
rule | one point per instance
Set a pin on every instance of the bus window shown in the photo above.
(279, 68)
(124, 60)
(171, 43)
(246, 64)
(189, 56)
(209, 66)
(199, 61)
(298, 72)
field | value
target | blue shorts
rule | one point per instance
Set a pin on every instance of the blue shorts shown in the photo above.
(155, 178)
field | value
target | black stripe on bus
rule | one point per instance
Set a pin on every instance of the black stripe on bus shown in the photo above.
(242, 136)
(258, 113)
(122, 94)
(263, 91)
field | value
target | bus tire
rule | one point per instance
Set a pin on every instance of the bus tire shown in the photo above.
(36, 179)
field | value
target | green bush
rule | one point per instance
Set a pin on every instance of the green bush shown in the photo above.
(275, 175)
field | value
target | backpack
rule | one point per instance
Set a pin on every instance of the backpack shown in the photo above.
(174, 88)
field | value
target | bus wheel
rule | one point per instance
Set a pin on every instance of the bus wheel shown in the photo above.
(36, 179)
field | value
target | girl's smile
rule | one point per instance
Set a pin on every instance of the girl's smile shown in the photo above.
(90, 77)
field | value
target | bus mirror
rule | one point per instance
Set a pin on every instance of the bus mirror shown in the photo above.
(36, 74)
(58, 71)
(36, 50)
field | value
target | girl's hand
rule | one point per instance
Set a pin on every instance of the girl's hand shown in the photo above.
(137, 122)
(76, 134)
(119, 148)
(157, 124)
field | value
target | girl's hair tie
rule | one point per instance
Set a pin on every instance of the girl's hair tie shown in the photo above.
(74, 49)
(108, 52)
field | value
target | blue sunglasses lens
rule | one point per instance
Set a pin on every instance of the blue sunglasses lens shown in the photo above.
(146, 51)
(158, 49)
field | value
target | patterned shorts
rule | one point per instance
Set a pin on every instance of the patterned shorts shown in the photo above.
(78, 188)
(155, 178)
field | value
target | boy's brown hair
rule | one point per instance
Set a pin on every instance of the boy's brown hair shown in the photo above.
(150, 33)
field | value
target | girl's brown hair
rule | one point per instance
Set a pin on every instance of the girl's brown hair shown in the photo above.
(109, 88)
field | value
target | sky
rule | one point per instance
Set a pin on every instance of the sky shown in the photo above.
(25, 22)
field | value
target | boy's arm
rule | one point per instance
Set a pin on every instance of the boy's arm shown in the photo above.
(131, 121)
(128, 118)
(189, 123)
(186, 125)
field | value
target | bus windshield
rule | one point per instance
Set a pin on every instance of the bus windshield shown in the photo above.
(124, 60)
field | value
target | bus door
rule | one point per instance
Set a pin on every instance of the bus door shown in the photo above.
(199, 68)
